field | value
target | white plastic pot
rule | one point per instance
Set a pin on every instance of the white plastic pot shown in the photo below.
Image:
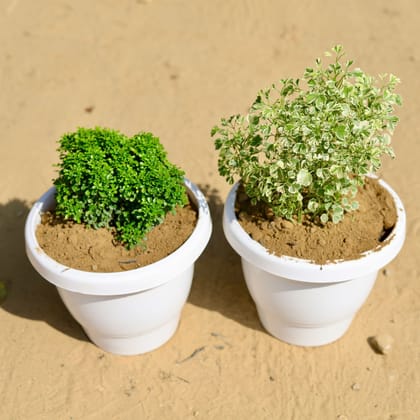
(130, 312)
(304, 303)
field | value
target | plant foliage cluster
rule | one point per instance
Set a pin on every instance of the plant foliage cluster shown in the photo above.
(107, 179)
(306, 149)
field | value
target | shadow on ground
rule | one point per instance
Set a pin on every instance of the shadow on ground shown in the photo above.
(24, 292)
(218, 283)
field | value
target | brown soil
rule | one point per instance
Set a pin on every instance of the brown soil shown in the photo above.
(360, 231)
(78, 246)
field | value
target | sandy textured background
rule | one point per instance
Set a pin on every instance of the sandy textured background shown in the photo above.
(175, 67)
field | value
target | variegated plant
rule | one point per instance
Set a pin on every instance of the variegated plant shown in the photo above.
(306, 145)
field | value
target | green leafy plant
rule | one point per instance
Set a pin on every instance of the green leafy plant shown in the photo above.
(107, 179)
(306, 149)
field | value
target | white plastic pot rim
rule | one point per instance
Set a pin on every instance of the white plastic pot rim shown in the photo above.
(118, 283)
(305, 270)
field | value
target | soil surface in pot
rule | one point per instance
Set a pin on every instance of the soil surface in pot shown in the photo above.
(362, 230)
(96, 250)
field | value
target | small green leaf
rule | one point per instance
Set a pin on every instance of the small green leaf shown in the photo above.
(311, 97)
(214, 130)
(256, 140)
(313, 205)
(324, 218)
(304, 178)
(355, 205)
(340, 131)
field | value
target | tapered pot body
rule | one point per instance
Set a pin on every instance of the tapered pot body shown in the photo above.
(130, 312)
(301, 302)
